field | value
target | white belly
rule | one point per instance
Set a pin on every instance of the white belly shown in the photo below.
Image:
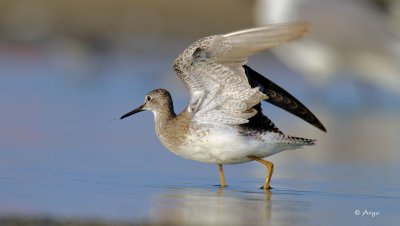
(225, 146)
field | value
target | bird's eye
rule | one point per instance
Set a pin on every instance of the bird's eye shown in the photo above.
(148, 98)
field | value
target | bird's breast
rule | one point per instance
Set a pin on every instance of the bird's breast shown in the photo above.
(223, 145)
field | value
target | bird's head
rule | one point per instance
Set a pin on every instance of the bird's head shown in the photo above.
(157, 101)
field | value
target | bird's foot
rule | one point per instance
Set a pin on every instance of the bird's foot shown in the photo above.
(269, 188)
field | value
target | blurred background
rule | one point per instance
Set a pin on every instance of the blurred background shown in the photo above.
(70, 69)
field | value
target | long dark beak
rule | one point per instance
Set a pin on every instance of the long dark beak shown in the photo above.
(139, 109)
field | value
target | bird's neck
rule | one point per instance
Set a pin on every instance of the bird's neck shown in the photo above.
(172, 129)
(163, 119)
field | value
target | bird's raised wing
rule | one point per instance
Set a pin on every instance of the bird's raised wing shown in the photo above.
(211, 69)
(281, 98)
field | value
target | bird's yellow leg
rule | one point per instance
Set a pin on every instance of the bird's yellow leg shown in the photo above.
(270, 167)
(221, 175)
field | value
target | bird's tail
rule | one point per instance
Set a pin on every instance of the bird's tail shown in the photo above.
(301, 140)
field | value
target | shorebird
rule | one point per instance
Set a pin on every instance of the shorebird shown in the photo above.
(223, 122)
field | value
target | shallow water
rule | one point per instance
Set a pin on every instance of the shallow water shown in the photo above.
(63, 154)
(160, 199)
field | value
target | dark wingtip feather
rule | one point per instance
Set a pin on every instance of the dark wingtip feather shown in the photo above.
(322, 127)
(281, 98)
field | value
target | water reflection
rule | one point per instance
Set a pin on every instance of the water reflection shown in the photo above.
(202, 206)
(311, 204)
